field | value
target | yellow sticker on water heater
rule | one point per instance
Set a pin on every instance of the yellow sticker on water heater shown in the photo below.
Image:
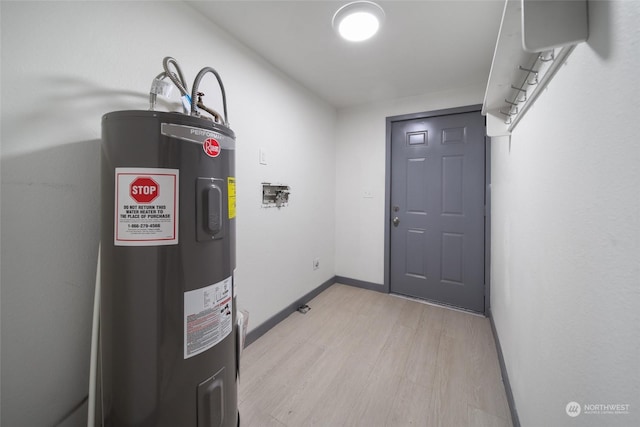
(231, 196)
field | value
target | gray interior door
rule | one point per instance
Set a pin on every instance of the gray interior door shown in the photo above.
(437, 209)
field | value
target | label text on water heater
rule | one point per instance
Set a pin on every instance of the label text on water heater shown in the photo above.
(146, 202)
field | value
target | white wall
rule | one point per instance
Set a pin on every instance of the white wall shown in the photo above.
(566, 233)
(360, 167)
(64, 64)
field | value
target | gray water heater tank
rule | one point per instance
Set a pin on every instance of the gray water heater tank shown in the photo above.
(168, 346)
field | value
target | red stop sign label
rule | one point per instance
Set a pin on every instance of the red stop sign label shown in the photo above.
(144, 189)
(211, 147)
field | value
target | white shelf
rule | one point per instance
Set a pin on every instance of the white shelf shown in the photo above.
(552, 29)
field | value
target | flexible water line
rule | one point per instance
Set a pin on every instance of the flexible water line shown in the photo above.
(194, 91)
(95, 329)
(178, 80)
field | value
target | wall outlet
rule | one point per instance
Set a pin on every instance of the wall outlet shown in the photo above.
(316, 263)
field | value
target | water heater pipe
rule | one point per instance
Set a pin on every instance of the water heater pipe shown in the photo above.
(194, 92)
(93, 363)
(178, 80)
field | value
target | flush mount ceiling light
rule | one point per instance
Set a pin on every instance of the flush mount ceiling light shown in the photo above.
(358, 21)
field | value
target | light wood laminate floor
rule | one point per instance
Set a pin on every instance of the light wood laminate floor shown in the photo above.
(363, 358)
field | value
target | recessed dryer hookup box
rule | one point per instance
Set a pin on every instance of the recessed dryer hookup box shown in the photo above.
(275, 195)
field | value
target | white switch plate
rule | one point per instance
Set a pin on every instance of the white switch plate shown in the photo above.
(263, 156)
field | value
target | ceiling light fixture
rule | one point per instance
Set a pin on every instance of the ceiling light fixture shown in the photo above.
(358, 21)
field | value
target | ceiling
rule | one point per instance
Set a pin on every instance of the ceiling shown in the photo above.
(424, 46)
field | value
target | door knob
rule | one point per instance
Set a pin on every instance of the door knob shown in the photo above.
(396, 221)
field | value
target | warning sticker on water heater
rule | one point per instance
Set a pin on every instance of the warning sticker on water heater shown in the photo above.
(231, 198)
(146, 207)
(207, 317)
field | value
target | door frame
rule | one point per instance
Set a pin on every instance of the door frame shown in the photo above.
(487, 196)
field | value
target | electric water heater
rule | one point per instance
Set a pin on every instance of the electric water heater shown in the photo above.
(168, 333)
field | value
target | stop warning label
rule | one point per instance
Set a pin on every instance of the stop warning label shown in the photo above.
(146, 207)
(144, 189)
